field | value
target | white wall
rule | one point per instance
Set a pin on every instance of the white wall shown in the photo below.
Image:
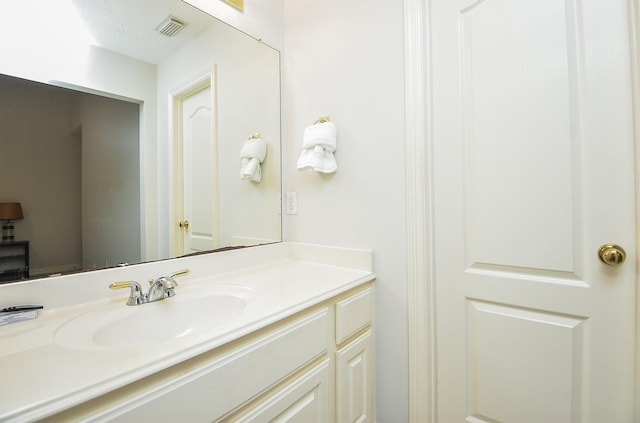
(345, 59)
(262, 19)
(247, 99)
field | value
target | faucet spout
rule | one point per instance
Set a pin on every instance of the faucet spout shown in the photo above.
(161, 288)
(164, 286)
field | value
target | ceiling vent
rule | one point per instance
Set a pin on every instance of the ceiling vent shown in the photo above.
(170, 26)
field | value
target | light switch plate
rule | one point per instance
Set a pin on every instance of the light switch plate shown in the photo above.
(292, 203)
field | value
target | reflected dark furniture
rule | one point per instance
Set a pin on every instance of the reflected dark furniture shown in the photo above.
(14, 260)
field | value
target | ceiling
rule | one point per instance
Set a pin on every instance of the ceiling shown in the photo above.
(128, 26)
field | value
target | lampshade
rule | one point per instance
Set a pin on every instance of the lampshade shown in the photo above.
(10, 211)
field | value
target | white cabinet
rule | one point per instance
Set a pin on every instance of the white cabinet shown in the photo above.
(315, 366)
(354, 358)
(209, 391)
(353, 313)
(354, 383)
(306, 399)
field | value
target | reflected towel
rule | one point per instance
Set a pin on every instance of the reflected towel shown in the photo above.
(319, 142)
(252, 154)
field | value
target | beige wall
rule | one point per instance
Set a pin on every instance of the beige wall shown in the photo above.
(110, 180)
(69, 155)
(40, 168)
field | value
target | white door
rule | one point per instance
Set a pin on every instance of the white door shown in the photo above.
(199, 170)
(533, 157)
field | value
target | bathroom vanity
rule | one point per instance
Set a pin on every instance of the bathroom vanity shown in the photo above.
(279, 331)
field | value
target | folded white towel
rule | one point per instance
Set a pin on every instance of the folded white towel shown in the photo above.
(252, 154)
(319, 143)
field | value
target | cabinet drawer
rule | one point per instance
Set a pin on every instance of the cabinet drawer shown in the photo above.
(304, 400)
(213, 390)
(353, 313)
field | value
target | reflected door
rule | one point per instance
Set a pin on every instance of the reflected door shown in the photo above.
(199, 223)
(533, 172)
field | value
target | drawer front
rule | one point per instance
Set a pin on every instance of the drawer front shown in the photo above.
(304, 400)
(353, 313)
(219, 387)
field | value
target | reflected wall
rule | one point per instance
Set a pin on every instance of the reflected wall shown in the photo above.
(247, 211)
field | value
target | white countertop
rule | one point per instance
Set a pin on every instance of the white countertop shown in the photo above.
(43, 376)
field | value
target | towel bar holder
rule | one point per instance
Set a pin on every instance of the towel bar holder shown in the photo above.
(255, 136)
(322, 119)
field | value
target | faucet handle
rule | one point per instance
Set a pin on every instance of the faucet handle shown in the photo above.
(171, 282)
(136, 297)
(183, 272)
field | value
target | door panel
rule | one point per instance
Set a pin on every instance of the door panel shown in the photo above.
(533, 171)
(199, 173)
(552, 350)
(515, 110)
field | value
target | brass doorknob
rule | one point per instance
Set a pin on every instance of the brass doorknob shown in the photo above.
(612, 254)
(184, 224)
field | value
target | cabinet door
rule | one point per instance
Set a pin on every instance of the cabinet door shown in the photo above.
(354, 381)
(306, 400)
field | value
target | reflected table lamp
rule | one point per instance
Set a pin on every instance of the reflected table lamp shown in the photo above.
(9, 212)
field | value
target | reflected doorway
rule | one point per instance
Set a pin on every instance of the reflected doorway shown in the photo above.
(196, 221)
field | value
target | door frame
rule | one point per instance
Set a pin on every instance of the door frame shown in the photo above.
(204, 79)
(421, 299)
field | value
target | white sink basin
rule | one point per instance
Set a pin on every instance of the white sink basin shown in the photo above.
(191, 311)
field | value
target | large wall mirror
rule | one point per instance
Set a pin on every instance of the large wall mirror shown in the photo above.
(122, 124)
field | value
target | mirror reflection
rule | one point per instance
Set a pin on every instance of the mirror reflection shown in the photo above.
(123, 145)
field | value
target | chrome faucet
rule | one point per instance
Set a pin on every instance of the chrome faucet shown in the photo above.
(161, 288)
